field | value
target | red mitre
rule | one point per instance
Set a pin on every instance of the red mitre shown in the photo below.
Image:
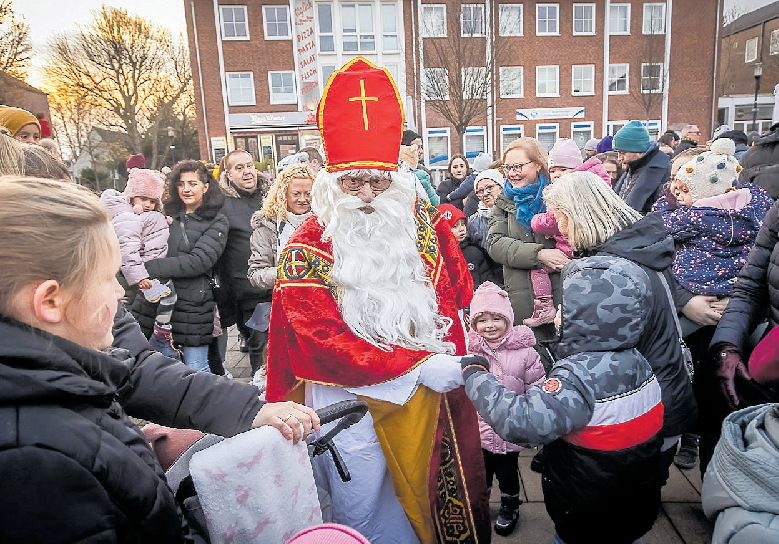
(360, 118)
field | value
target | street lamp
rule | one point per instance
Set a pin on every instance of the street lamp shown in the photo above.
(758, 72)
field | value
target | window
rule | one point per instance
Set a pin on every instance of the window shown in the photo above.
(619, 19)
(234, 25)
(750, 50)
(652, 77)
(392, 68)
(434, 21)
(276, 20)
(511, 82)
(618, 78)
(614, 126)
(547, 20)
(510, 20)
(326, 70)
(436, 84)
(475, 141)
(509, 133)
(583, 79)
(324, 19)
(580, 133)
(282, 87)
(437, 147)
(774, 45)
(240, 89)
(547, 81)
(357, 28)
(653, 127)
(389, 27)
(654, 18)
(547, 135)
(583, 19)
(472, 20)
(475, 83)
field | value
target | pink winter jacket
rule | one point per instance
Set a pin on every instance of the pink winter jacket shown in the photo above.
(516, 365)
(142, 237)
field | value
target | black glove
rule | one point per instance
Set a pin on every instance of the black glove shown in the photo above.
(729, 366)
(473, 363)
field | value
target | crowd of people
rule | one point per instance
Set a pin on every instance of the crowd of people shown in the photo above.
(616, 305)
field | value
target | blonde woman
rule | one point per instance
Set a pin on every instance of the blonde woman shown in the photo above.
(599, 223)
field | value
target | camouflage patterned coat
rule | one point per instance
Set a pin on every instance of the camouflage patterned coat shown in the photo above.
(600, 410)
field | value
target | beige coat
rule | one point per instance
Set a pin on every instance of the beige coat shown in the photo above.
(264, 242)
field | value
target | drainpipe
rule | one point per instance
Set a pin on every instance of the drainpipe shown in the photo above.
(606, 30)
(666, 66)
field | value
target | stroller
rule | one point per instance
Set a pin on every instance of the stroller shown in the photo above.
(257, 486)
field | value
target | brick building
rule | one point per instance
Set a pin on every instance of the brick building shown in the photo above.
(564, 69)
(751, 39)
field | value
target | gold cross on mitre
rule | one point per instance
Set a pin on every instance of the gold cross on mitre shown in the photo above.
(364, 99)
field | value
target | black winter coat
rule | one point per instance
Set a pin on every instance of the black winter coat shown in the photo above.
(74, 467)
(189, 262)
(479, 263)
(760, 164)
(756, 292)
(640, 185)
(647, 244)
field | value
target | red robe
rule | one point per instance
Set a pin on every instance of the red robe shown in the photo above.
(309, 341)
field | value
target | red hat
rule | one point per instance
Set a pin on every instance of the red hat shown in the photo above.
(451, 214)
(360, 118)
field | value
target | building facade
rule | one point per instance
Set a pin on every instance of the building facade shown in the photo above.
(564, 69)
(749, 41)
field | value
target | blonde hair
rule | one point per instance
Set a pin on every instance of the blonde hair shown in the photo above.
(274, 205)
(594, 211)
(11, 155)
(533, 149)
(52, 230)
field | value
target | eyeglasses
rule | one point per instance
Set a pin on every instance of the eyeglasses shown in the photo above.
(378, 184)
(487, 189)
(517, 167)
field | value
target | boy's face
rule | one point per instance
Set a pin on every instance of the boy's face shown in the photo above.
(556, 171)
(491, 326)
(459, 230)
(682, 193)
(145, 202)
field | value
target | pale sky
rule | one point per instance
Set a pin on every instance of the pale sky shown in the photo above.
(47, 17)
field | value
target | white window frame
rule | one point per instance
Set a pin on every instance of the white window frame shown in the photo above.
(519, 76)
(233, 101)
(323, 73)
(387, 33)
(321, 34)
(479, 32)
(627, 77)
(538, 79)
(503, 14)
(438, 133)
(750, 44)
(475, 131)
(650, 30)
(429, 31)
(519, 130)
(573, 79)
(592, 20)
(547, 128)
(469, 73)
(293, 99)
(557, 19)
(359, 32)
(625, 32)
(586, 125)
(265, 22)
(643, 77)
(427, 71)
(652, 126)
(245, 22)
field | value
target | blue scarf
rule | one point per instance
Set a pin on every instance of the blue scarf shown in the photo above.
(528, 199)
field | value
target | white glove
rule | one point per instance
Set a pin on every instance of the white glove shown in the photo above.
(441, 373)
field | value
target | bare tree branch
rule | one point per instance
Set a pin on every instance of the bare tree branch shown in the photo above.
(15, 48)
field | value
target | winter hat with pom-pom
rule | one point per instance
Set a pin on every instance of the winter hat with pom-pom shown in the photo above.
(565, 154)
(481, 162)
(711, 173)
(143, 182)
(491, 298)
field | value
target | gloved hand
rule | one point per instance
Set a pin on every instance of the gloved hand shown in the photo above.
(729, 366)
(441, 373)
(473, 363)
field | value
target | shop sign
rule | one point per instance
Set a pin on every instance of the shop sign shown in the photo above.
(280, 119)
(536, 114)
(306, 53)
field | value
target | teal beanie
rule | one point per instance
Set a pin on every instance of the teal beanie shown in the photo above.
(633, 137)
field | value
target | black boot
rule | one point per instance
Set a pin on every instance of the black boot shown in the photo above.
(508, 514)
(688, 452)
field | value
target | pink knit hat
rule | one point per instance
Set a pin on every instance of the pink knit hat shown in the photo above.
(328, 533)
(143, 182)
(565, 153)
(491, 298)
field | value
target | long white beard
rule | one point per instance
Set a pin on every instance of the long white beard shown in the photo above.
(385, 296)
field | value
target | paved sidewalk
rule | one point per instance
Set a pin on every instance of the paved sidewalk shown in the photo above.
(680, 521)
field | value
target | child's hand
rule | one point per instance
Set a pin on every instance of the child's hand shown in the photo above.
(144, 284)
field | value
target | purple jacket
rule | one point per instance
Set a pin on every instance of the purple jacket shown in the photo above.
(142, 237)
(516, 365)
